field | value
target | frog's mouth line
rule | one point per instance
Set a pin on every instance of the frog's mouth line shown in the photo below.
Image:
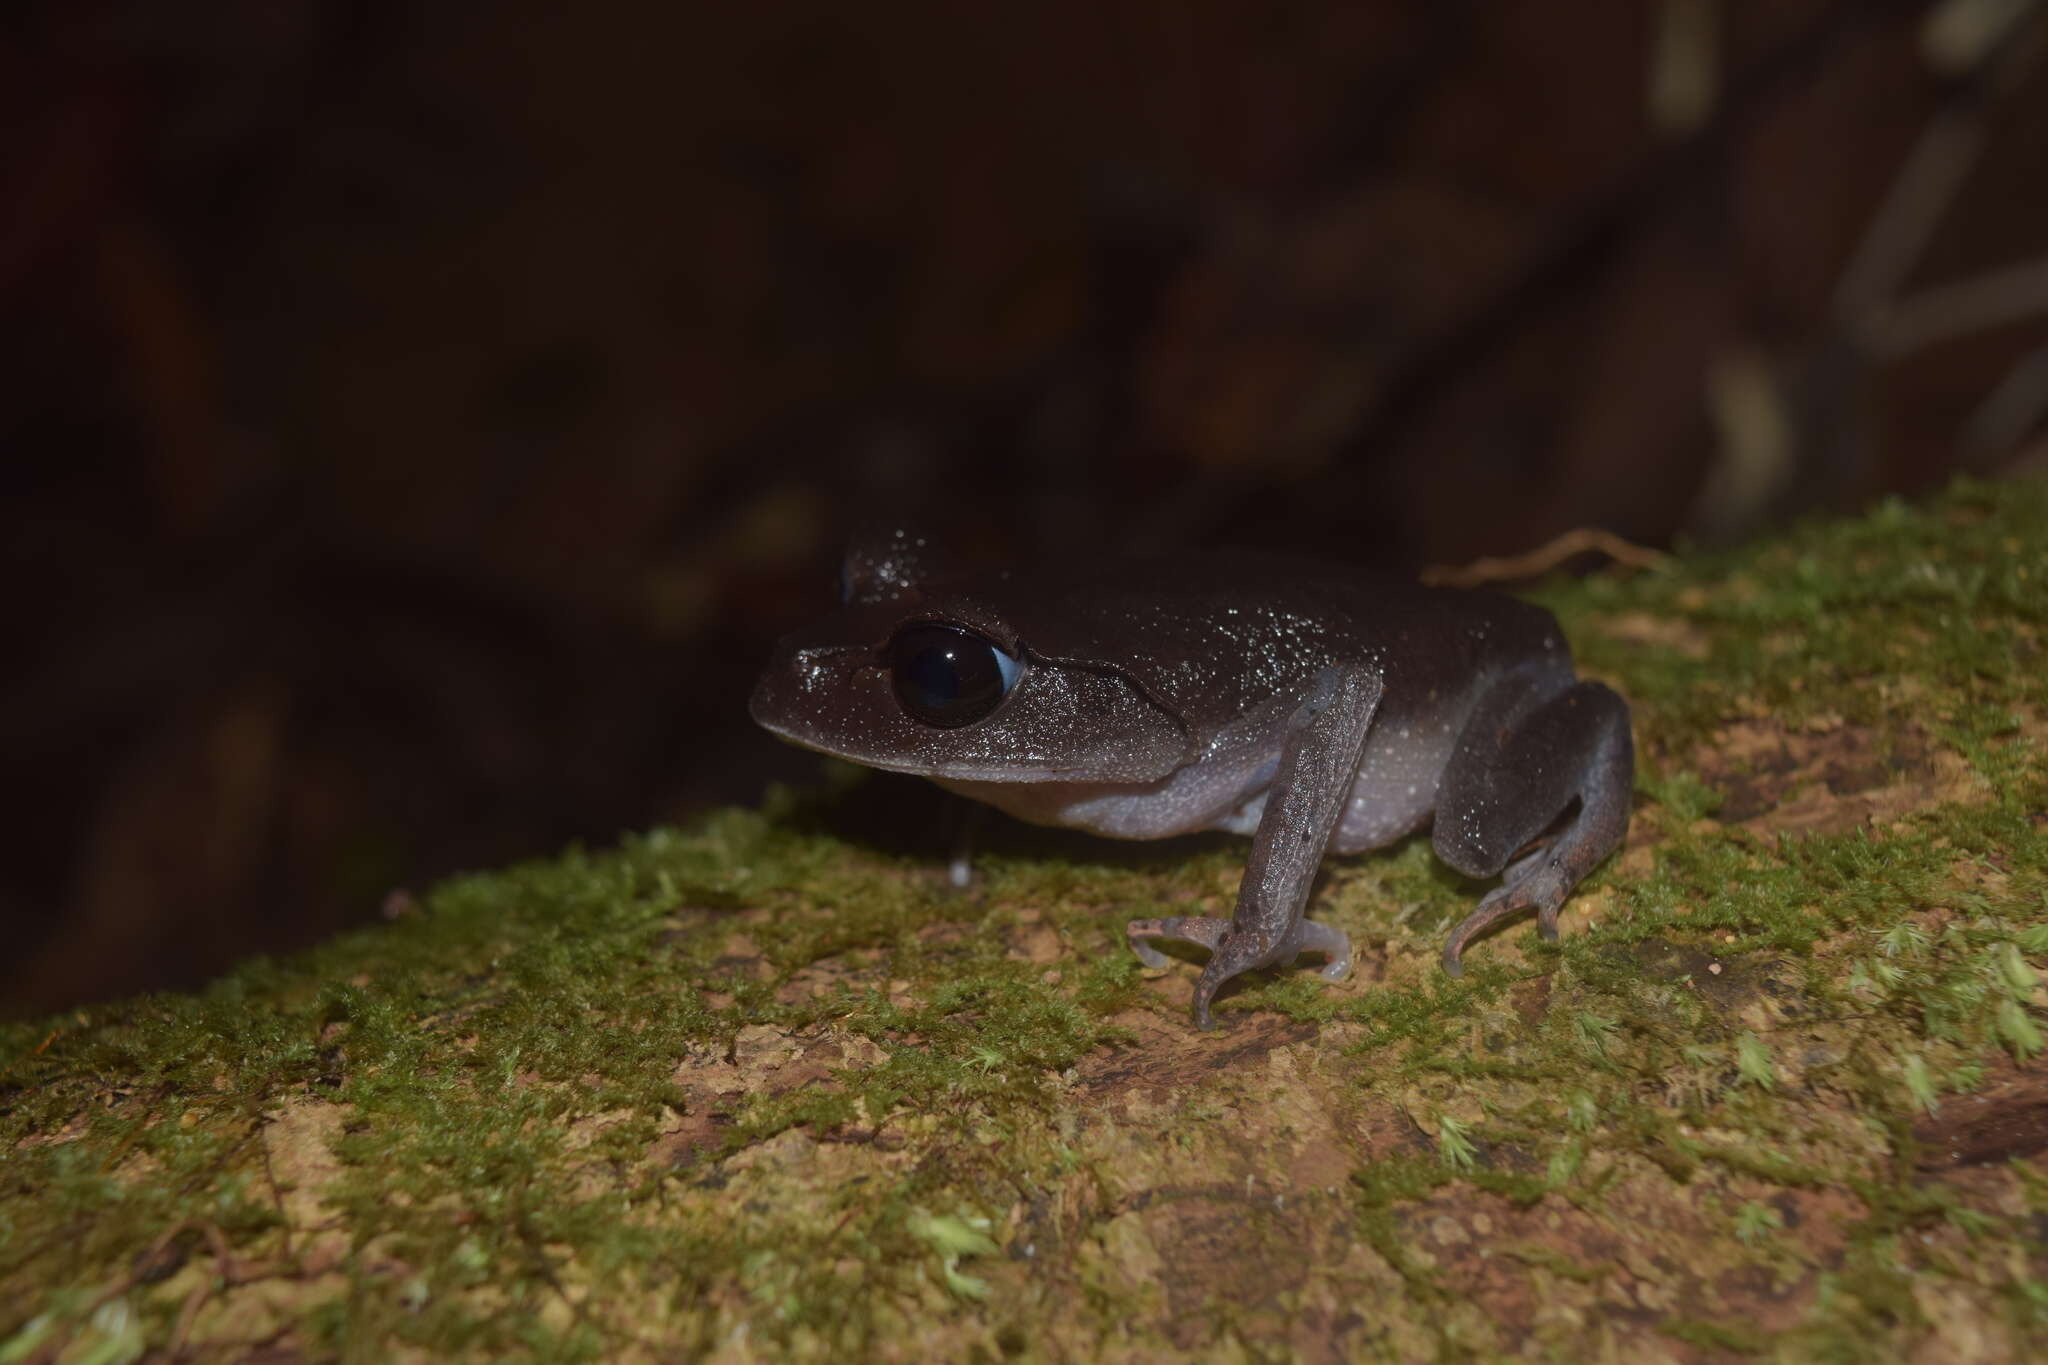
(950, 772)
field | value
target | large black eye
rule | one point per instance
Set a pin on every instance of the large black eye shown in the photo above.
(946, 676)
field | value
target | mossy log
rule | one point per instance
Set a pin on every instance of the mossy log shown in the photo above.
(767, 1088)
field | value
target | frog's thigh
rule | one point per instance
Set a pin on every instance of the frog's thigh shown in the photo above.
(1521, 760)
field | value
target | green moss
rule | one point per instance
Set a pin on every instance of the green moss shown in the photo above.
(738, 1079)
(1715, 1336)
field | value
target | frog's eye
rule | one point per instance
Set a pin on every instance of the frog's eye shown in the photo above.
(946, 676)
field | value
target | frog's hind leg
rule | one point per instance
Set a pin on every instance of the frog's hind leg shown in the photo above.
(1531, 753)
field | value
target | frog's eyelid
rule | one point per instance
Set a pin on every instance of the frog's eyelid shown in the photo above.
(1009, 658)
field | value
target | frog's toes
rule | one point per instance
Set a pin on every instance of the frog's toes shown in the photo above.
(1206, 987)
(1234, 953)
(1240, 951)
(1535, 881)
(1334, 945)
(1199, 930)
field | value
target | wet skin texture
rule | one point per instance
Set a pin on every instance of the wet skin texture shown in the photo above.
(1315, 707)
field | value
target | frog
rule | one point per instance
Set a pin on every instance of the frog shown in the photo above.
(1320, 708)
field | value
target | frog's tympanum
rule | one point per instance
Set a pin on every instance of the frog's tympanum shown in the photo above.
(1312, 706)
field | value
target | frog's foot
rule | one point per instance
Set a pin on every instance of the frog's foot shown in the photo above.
(1232, 953)
(1200, 930)
(1536, 880)
(1333, 944)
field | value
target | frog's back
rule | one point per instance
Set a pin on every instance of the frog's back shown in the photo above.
(1214, 638)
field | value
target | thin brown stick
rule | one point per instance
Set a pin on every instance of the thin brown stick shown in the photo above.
(187, 1316)
(2011, 294)
(1541, 560)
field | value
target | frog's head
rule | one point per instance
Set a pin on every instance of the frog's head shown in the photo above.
(925, 675)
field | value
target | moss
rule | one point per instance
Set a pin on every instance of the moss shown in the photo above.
(1715, 1336)
(740, 1087)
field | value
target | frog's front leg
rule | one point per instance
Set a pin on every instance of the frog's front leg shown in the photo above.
(1534, 746)
(1318, 764)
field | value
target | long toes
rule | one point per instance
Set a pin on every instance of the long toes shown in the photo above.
(1198, 930)
(1497, 905)
(1534, 881)
(1546, 889)
(1311, 936)
(1206, 986)
(1230, 956)
(1139, 932)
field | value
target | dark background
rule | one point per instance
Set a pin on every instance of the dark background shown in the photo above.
(415, 419)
